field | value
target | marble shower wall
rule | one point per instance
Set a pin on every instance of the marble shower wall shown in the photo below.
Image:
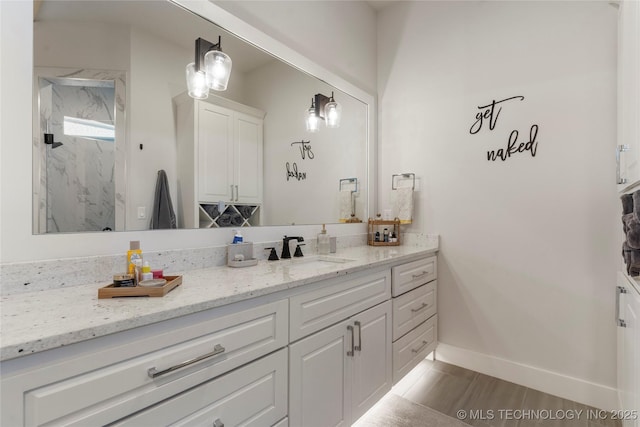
(80, 173)
(79, 186)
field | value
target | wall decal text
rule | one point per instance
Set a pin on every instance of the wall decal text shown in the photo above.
(490, 113)
(292, 172)
(305, 149)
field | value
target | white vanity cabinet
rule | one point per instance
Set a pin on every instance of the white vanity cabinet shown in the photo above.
(220, 159)
(101, 381)
(628, 322)
(338, 372)
(415, 322)
(318, 354)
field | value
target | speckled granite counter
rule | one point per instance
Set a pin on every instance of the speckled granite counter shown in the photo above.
(38, 321)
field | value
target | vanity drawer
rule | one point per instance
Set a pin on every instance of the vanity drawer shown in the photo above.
(202, 352)
(413, 274)
(315, 310)
(412, 348)
(413, 308)
(254, 395)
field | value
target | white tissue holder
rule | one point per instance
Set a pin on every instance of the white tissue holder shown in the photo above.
(240, 255)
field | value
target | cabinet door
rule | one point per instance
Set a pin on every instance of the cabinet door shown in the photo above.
(629, 349)
(248, 155)
(215, 153)
(319, 378)
(629, 91)
(372, 374)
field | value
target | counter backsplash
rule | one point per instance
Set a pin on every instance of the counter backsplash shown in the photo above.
(24, 277)
(42, 275)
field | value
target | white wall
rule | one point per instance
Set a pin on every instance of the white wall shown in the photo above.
(529, 245)
(339, 35)
(337, 153)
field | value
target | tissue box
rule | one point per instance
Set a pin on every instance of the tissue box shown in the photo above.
(240, 255)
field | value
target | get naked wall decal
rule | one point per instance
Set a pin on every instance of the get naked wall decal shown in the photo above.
(305, 152)
(491, 113)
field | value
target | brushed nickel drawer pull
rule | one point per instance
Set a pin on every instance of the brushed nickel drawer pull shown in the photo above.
(417, 350)
(218, 423)
(217, 349)
(415, 310)
(415, 276)
(359, 346)
(350, 353)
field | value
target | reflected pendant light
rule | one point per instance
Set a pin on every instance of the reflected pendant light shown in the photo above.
(196, 82)
(312, 119)
(211, 69)
(332, 113)
(323, 108)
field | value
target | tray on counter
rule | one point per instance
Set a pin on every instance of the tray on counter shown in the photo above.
(111, 291)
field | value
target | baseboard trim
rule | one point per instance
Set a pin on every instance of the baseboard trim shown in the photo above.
(585, 392)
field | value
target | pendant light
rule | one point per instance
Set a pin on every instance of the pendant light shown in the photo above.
(211, 69)
(323, 108)
(312, 120)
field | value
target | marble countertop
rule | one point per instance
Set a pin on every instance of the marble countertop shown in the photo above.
(38, 321)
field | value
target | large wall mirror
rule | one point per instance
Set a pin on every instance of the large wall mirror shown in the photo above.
(111, 112)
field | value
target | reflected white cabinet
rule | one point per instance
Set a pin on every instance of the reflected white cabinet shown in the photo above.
(628, 147)
(628, 320)
(338, 373)
(220, 145)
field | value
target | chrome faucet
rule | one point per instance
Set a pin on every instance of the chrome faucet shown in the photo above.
(286, 252)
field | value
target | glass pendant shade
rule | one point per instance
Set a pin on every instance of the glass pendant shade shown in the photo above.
(217, 66)
(312, 121)
(196, 83)
(332, 114)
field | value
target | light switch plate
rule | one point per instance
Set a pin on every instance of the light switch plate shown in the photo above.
(142, 212)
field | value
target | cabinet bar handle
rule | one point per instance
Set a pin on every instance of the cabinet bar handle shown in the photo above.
(231, 187)
(620, 149)
(218, 423)
(359, 346)
(417, 350)
(415, 276)
(236, 193)
(619, 322)
(350, 353)
(415, 310)
(217, 349)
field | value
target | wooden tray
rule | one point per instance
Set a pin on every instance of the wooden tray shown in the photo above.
(140, 291)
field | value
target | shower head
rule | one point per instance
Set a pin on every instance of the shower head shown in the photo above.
(56, 144)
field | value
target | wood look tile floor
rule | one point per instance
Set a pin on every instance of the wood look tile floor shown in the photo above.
(443, 395)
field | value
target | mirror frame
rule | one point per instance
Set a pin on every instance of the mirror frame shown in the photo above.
(19, 244)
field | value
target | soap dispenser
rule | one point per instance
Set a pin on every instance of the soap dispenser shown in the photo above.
(323, 242)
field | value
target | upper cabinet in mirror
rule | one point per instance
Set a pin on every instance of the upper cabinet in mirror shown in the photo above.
(243, 157)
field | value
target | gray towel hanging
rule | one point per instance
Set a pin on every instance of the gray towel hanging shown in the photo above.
(163, 213)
